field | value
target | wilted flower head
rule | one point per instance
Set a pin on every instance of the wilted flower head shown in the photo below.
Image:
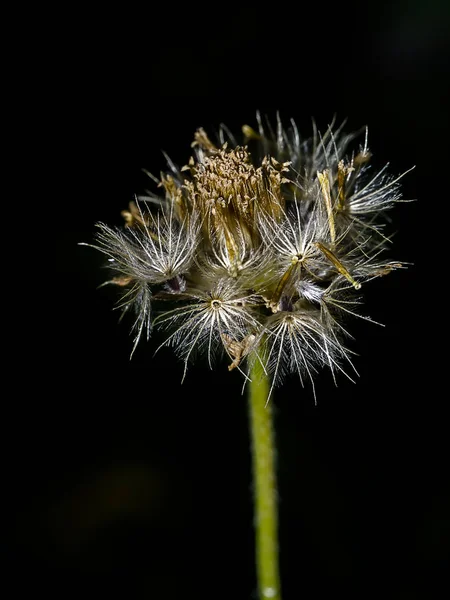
(256, 249)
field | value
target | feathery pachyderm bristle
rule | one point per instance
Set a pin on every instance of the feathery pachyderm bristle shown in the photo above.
(256, 249)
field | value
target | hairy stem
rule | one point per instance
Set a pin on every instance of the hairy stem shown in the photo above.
(265, 490)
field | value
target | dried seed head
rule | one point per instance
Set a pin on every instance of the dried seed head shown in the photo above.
(257, 249)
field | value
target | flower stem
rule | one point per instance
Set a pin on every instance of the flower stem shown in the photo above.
(265, 490)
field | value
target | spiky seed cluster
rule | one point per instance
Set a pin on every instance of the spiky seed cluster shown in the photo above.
(256, 250)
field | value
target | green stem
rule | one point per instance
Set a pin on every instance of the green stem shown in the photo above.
(265, 489)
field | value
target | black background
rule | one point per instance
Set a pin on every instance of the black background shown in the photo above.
(121, 482)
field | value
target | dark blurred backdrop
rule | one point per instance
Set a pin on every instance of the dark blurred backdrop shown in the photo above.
(120, 481)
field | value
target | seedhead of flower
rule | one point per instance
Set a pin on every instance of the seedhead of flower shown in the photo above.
(256, 250)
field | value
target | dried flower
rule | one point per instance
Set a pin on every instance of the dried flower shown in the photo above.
(256, 250)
